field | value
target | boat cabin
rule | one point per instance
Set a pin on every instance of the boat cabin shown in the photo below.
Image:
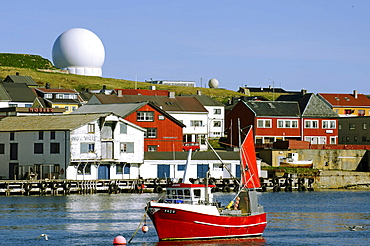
(189, 193)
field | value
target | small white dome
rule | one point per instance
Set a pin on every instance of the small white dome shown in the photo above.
(80, 51)
(213, 83)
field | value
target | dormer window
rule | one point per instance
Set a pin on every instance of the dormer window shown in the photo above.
(346, 98)
(48, 96)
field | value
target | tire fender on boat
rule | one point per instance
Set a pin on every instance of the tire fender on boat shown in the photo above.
(158, 189)
(27, 187)
(226, 188)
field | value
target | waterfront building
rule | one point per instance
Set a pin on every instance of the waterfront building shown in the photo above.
(88, 147)
(16, 95)
(354, 130)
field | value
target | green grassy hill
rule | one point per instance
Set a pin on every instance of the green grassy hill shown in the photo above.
(42, 71)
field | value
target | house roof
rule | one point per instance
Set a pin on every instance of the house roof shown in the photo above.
(199, 155)
(176, 104)
(4, 96)
(57, 90)
(205, 100)
(310, 105)
(46, 123)
(19, 92)
(345, 100)
(20, 79)
(121, 109)
(142, 92)
(274, 108)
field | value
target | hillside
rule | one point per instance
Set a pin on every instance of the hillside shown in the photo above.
(36, 66)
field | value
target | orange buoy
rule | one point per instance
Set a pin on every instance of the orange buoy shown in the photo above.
(145, 228)
(119, 240)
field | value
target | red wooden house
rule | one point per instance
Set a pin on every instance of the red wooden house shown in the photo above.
(164, 132)
(271, 121)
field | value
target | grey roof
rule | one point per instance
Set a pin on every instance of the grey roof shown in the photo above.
(46, 123)
(121, 109)
(310, 105)
(199, 155)
(205, 100)
(4, 96)
(274, 108)
(20, 79)
(19, 92)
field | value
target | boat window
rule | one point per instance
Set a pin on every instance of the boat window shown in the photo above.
(174, 194)
(187, 194)
(197, 193)
(180, 194)
(169, 194)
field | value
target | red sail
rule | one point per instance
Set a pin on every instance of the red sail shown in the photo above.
(249, 170)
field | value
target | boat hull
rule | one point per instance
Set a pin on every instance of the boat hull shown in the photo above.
(176, 224)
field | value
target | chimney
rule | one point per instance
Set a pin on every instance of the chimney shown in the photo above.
(119, 93)
(303, 92)
(171, 94)
(102, 91)
(47, 86)
(17, 73)
(199, 92)
(355, 94)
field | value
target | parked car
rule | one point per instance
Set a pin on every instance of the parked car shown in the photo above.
(194, 146)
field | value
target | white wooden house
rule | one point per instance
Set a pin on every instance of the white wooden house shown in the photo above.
(78, 147)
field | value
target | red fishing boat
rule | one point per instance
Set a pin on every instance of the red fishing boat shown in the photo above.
(189, 211)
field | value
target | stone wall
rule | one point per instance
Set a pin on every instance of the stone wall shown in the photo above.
(342, 179)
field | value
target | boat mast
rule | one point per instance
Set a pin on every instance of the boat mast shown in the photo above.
(186, 178)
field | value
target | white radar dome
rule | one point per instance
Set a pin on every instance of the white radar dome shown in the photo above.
(79, 51)
(213, 83)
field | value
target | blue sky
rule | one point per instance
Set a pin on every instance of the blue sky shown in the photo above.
(318, 45)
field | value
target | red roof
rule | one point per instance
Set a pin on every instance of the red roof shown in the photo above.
(346, 100)
(143, 92)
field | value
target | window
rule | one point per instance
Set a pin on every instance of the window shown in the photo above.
(48, 96)
(152, 148)
(2, 148)
(91, 128)
(264, 123)
(84, 169)
(126, 169)
(151, 133)
(28, 105)
(364, 139)
(160, 117)
(87, 147)
(52, 135)
(181, 167)
(196, 123)
(355, 139)
(119, 168)
(67, 108)
(364, 126)
(287, 123)
(123, 128)
(60, 96)
(328, 124)
(12, 136)
(333, 140)
(339, 127)
(74, 108)
(311, 124)
(216, 123)
(38, 148)
(352, 126)
(361, 112)
(54, 148)
(41, 135)
(217, 111)
(127, 147)
(348, 111)
(145, 116)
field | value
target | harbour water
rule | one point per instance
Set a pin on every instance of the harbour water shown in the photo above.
(294, 218)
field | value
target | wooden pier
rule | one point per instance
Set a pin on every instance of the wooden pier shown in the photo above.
(65, 187)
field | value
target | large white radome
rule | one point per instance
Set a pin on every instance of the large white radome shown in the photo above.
(79, 51)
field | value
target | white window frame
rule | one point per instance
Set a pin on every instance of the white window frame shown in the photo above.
(264, 123)
(217, 111)
(312, 124)
(329, 124)
(196, 123)
(145, 115)
(287, 123)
